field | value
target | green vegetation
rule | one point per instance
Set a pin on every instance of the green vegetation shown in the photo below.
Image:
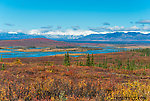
(3, 67)
(67, 59)
(90, 60)
(128, 63)
(18, 61)
(81, 63)
(1, 58)
(88, 63)
(145, 51)
(118, 76)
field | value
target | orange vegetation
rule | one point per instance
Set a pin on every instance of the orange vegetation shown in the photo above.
(46, 79)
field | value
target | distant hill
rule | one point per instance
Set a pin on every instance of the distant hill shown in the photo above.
(37, 42)
(18, 36)
(13, 36)
(117, 36)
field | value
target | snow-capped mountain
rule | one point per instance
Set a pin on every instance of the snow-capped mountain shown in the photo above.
(62, 35)
(117, 36)
(79, 35)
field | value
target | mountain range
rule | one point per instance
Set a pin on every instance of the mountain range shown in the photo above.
(115, 36)
(17, 36)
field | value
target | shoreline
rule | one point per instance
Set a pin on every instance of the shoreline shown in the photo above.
(5, 51)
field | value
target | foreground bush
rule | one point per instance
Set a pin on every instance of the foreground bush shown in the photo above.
(134, 91)
(50, 89)
(64, 90)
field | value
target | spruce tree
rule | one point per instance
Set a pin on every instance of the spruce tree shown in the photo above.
(3, 67)
(105, 63)
(88, 63)
(92, 60)
(99, 65)
(81, 63)
(128, 64)
(77, 63)
(66, 59)
(1, 58)
(119, 64)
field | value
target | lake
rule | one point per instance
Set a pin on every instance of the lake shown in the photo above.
(14, 53)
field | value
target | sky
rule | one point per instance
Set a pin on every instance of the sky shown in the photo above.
(94, 15)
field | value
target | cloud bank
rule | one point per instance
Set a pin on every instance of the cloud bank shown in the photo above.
(77, 30)
(143, 22)
(120, 28)
(67, 32)
(8, 24)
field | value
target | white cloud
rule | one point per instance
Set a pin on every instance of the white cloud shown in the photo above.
(105, 32)
(147, 28)
(12, 32)
(67, 32)
(143, 22)
(19, 31)
(134, 28)
(1, 30)
(97, 30)
(115, 28)
(34, 31)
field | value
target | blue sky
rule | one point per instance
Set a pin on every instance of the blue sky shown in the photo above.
(35, 14)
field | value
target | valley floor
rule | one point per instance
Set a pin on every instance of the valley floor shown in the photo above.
(113, 76)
